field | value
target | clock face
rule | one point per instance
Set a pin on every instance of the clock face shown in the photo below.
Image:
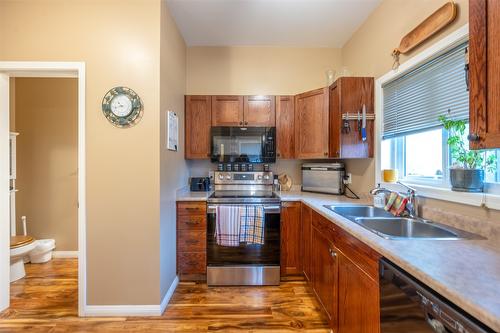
(121, 105)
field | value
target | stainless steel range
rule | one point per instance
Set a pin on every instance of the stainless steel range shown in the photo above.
(246, 264)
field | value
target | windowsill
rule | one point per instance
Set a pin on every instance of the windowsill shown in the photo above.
(488, 200)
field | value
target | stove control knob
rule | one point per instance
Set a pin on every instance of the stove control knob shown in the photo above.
(259, 177)
(221, 176)
(228, 177)
(266, 177)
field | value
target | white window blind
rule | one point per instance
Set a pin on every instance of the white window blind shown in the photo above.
(413, 102)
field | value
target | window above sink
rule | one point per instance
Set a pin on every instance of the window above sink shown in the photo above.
(409, 136)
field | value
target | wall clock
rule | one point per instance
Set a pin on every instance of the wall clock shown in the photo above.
(122, 107)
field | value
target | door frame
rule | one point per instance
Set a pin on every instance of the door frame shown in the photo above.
(41, 69)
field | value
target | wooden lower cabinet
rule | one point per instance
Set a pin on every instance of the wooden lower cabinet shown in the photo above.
(343, 276)
(291, 229)
(358, 299)
(191, 240)
(324, 274)
(306, 215)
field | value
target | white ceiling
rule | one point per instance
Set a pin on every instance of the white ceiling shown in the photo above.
(306, 23)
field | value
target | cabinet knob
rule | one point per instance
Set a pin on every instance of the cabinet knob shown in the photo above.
(241, 123)
(325, 153)
(246, 122)
(332, 253)
(473, 137)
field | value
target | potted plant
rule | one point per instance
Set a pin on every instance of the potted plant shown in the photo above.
(467, 170)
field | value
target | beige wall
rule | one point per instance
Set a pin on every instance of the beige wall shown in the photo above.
(47, 158)
(119, 42)
(368, 52)
(258, 70)
(173, 171)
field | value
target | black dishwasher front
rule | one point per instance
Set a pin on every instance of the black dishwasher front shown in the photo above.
(408, 306)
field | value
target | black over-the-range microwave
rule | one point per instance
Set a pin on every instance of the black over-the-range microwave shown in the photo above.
(243, 144)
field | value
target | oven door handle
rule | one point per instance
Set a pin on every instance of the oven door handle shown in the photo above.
(211, 209)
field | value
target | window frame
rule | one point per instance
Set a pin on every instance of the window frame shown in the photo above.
(426, 188)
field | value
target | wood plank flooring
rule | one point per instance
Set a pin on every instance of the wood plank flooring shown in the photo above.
(46, 301)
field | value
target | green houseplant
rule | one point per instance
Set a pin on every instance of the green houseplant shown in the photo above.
(467, 170)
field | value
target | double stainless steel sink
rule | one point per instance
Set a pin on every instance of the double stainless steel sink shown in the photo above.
(386, 225)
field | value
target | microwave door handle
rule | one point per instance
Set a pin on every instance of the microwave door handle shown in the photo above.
(319, 169)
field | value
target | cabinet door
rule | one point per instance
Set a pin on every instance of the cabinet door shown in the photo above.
(259, 111)
(348, 95)
(484, 73)
(227, 110)
(324, 272)
(306, 216)
(291, 258)
(358, 297)
(198, 121)
(311, 124)
(285, 127)
(335, 121)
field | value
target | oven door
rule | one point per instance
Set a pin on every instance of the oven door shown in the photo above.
(247, 264)
(243, 144)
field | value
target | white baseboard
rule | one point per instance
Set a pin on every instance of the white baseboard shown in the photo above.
(65, 254)
(121, 310)
(132, 310)
(169, 294)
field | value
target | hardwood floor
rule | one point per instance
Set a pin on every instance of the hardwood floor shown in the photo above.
(46, 301)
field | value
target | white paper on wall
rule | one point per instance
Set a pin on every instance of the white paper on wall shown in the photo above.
(172, 130)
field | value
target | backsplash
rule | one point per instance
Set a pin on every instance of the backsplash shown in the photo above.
(484, 227)
(200, 168)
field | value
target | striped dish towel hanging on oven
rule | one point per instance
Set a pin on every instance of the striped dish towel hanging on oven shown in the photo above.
(227, 225)
(252, 224)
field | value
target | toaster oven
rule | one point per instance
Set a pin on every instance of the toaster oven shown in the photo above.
(323, 178)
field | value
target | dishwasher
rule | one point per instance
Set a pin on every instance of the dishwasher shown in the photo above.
(408, 306)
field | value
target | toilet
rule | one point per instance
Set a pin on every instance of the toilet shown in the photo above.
(20, 247)
(42, 251)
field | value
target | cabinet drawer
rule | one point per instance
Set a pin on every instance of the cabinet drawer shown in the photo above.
(358, 252)
(324, 226)
(192, 262)
(191, 222)
(191, 208)
(192, 241)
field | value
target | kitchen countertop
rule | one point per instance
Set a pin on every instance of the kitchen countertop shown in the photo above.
(467, 272)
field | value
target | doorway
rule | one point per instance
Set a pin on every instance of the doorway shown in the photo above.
(8, 71)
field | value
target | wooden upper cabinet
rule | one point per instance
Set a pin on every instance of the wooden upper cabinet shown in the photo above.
(227, 110)
(311, 124)
(291, 230)
(259, 111)
(198, 120)
(358, 299)
(285, 127)
(484, 73)
(348, 95)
